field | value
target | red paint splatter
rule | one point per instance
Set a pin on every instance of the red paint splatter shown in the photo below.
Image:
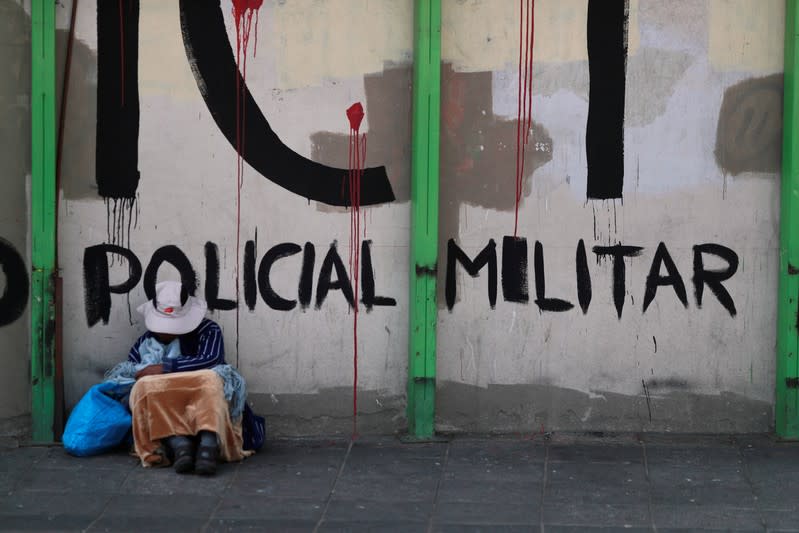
(524, 110)
(357, 158)
(243, 12)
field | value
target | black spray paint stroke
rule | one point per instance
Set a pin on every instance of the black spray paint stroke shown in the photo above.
(607, 65)
(655, 280)
(487, 256)
(97, 287)
(306, 275)
(271, 298)
(324, 285)
(213, 64)
(117, 154)
(618, 252)
(15, 294)
(174, 256)
(583, 277)
(545, 304)
(514, 269)
(368, 298)
(212, 280)
(713, 278)
(250, 287)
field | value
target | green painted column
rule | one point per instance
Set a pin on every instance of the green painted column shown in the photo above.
(43, 223)
(424, 218)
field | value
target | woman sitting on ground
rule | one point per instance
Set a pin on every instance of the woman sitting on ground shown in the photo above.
(186, 402)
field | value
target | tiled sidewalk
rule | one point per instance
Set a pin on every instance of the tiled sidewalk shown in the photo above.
(566, 483)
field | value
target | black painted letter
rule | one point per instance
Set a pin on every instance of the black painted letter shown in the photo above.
(212, 280)
(96, 286)
(713, 278)
(655, 280)
(342, 282)
(368, 281)
(488, 256)
(514, 269)
(174, 256)
(269, 295)
(545, 304)
(15, 295)
(618, 252)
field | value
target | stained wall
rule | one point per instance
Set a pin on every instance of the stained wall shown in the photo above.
(625, 276)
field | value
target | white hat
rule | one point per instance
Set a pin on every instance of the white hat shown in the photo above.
(172, 310)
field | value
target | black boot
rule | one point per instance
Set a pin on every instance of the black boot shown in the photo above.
(207, 453)
(183, 452)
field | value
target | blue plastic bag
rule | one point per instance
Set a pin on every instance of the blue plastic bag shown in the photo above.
(100, 421)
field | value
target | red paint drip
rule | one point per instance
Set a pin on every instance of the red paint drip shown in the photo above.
(243, 11)
(357, 157)
(524, 120)
(121, 57)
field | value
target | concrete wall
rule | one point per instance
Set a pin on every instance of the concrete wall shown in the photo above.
(700, 161)
(14, 172)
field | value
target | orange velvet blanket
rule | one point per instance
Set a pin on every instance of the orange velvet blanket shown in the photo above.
(183, 403)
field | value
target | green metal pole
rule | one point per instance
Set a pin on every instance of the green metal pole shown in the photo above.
(42, 218)
(424, 218)
(787, 397)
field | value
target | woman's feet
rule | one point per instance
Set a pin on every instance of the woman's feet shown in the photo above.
(183, 454)
(207, 452)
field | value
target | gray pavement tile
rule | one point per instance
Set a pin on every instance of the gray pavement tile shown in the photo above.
(389, 466)
(484, 528)
(56, 457)
(496, 451)
(489, 472)
(364, 449)
(382, 511)
(596, 454)
(693, 475)
(148, 523)
(294, 453)
(705, 494)
(597, 483)
(496, 490)
(55, 523)
(297, 482)
(152, 505)
(166, 481)
(35, 503)
(771, 451)
(62, 479)
(780, 520)
(253, 524)
(777, 497)
(705, 517)
(21, 458)
(410, 487)
(688, 440)
(589, 529)
(705, 456)
(373, 527)
(593, 514)
(487, 513)
(268, 508)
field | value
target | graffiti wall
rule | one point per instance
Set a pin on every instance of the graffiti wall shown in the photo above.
(14, 167)
(608, 219)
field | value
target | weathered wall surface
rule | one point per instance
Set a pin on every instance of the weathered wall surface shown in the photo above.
(637, 291)
(14, 169)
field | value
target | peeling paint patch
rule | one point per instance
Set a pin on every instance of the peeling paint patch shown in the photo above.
(749, 132)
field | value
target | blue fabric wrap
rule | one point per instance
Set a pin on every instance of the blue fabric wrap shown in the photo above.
(100, 421)
(253, 429)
